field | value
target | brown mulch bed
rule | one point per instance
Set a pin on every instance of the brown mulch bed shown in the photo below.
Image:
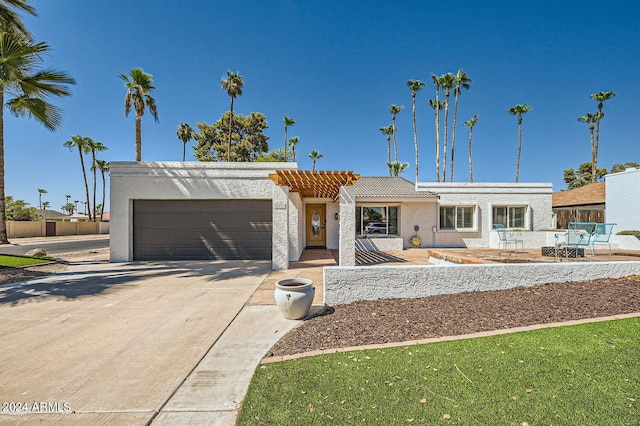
(398, 320)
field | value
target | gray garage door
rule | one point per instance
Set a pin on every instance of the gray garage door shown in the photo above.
(202, 229)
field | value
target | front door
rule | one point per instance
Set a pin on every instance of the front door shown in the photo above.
(316, 225)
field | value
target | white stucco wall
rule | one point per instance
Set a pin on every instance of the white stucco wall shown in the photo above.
(623, 200)
(185, 180)
(346, 285)
(537, 196)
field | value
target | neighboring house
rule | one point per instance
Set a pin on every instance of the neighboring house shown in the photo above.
(52, 215)
(583, 204)
(466, 212)
(623, 199)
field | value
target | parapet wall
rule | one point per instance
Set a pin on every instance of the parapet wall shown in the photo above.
(349, 284)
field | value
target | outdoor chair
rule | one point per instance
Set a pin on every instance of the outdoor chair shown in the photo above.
(507, 237)
(578, 235)
(603, 235)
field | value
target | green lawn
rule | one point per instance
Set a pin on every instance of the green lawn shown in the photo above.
(11, 261)
(580, 375)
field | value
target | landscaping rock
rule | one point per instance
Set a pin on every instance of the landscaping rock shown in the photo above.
(37, 252)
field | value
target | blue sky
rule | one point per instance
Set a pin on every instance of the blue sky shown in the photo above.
(335, 67)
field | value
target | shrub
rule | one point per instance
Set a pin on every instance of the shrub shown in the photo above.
(634, 233)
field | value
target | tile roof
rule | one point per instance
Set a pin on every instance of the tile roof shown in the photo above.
(389, 187)
(594, 193)
(52, 214)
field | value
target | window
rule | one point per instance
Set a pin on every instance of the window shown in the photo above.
(377, 220)
(510, 216)
(457, 217)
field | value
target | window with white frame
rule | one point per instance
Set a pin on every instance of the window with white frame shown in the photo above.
(510, 216)
(377, 220)
(457, 217)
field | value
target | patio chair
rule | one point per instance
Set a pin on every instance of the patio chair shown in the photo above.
(578, 235)
(602, 235)
(507, 237)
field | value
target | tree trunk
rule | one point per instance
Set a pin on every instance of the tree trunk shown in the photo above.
(395, 140)
(453, 132)
(519, 148)
(3, 206)
(138, 137)
(86, 183)
(470, 161)
(230, 127)
(93, 156)
(104, 192)
(286, 140)
(437, 110)
(446, 131)
(593, 155)
(415, 133)
(184, 152)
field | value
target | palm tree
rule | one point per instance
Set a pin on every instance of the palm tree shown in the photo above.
(447, 82)
(93, 147)
(27, 90)
(415, 86)
(82, 143)
(233, 85)
(397, 167)
(10, 21)
(519, 110)
(437, 105)
(599, 97)
(471, 123)
(315, 156)
(394, 112)
(288, 121)
(292, 143)
(45, 205)
(591, 118)
(462, 80)
(388, 131)
(185, 134)
(103, 166)
(138, 88)
(40, 192)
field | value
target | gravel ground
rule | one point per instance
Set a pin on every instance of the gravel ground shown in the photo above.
(398, 320)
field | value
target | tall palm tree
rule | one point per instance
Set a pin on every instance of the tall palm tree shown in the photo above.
(185, 134)
(292, 143)
(388, 131)
(394, 109)
(45, 205)
(138, 88)
(93, 147)
(447, 81)
(24, 91)
(471, 123)
(82, 143)
(10, 20)
(233, 85)
(519, 110)
(415, 86)
(315, 156)
(591, 118)
(288, 122)
(437, 105)
(600, 97)
(462, 80)
(104, 167)
(40, 192)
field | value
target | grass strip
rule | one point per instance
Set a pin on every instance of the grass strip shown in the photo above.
(583, 374)
(13, 261)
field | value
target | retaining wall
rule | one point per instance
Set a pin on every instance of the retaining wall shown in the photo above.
(349, 284)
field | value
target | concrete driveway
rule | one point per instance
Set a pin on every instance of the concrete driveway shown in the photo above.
(112, 343)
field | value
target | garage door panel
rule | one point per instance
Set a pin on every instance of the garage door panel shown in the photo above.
(202, 229)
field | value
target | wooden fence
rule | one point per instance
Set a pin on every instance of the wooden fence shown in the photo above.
(564, 216)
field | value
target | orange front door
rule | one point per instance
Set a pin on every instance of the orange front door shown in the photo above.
(316, 225)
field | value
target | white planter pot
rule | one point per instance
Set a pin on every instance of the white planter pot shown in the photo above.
(294, 297)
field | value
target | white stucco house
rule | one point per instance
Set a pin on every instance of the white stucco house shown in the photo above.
(273, 211)
(623, 199)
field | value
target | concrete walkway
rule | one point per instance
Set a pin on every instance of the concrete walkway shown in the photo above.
(134, 343)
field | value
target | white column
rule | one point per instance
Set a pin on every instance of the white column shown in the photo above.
(347, 226)
(280, 238)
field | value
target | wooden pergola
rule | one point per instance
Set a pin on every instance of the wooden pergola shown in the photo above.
(317, 184)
